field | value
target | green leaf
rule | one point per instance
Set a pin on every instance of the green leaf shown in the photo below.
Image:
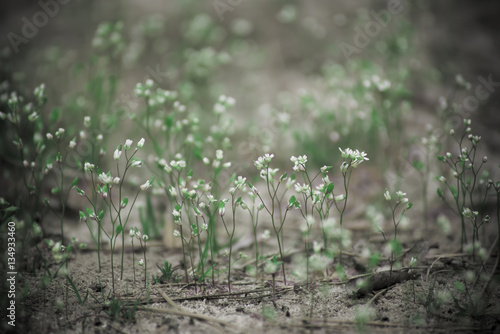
(190, 173)
(82, 215)
(78, 163)
(292, 200)
(11, 209)
(440, 192)
(441, 158)
(169, 120)
(75, 181)
(283, 177)
(89, 211)
(196, 211)
(454, 191)
(329, 188)
(55, 190)
(178, 207)
(101, 215)
(119, 229)
(54, 115)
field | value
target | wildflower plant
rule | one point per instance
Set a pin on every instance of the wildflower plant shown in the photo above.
(351, 160)
(394, 244)
(274, 208)
(468, 187)
(102, 192)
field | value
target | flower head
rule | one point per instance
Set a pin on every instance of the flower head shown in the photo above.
(140, 144)
(105, 178)
(128, 144)
(146, 185)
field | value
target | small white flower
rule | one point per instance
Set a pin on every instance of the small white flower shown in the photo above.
(137, 163)
(116, 180)
(72, 144)
(400, 194)
(340, 198)
(140, 144)
(146, 185)
(128, 144)
(219, 154)
(206, 161)
(49, 136)
(387, 195)
(86, 121)
(117, 154)
(145, 237)
(105, 178)
(268, 157)
(177, 234)
(141, 262)
(176, 213)
(88, 167)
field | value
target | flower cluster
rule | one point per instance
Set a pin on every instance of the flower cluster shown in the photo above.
(299, 162)
(263, 161)
(355, 156)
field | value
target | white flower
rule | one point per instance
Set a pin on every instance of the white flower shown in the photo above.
(140, 144)
(176, 213)
(400, 194)
(172, 192)
(88, 167)
(300, 163)
(131, 233)
(259, 163)
(387, 195)
(177, 234)
(206, 161)
(116, 180)
(467, 213)
(137, 163)
(145, 237)
(146, 185)
(128, 144)
(49, 136)
(86, 121)
(340, 198)
(141, 262)
(219, 154)
(105, 178)
(268, 157)
(117, 154)
(72, 143)
(344, 167)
